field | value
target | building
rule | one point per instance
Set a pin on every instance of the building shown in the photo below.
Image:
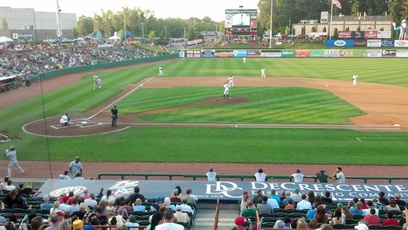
(344, 23)
(27, 25)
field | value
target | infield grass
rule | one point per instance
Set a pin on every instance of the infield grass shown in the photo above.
(194, 144)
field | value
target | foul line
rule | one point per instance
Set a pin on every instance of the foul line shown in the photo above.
(116, 101)
(360, 139)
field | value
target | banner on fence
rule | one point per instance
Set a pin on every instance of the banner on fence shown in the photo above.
(402, 53)
(207, 53)
(302, 53)
(346, 53)
(374, 53)
(401, 43)
(240, 53)
(339, 43)
(331, 53)
(316, 53)
(288, 53)
(389, 53)
(271, 54)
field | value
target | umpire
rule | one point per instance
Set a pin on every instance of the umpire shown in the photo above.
(114, 115)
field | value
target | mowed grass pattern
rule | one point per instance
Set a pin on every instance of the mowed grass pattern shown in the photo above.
(265, 106)
(198, 144)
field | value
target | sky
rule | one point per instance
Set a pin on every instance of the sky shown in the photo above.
(184, 9)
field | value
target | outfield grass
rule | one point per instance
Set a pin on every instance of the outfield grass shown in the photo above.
(219, 144)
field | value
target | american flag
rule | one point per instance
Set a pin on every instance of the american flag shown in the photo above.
(337, 3)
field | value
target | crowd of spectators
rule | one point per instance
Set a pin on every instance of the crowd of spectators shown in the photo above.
(311, 211)
(25, 61)
(87, 209)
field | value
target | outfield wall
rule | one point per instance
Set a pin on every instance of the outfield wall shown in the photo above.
(301, 53)
(78, 69)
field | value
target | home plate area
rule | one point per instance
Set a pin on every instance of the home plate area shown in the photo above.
(82, 123)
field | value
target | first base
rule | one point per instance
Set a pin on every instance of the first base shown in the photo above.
(84, 122)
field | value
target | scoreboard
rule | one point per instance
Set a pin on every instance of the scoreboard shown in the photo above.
(241, 22)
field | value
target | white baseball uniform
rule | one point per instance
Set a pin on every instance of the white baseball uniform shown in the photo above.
(231, 81)
(99, 83)
(226, 90)
(244, 60)
(355, 79)
(12, 154)
(161, 71)
(263, 73)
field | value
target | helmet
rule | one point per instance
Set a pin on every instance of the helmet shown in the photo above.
(77, 158)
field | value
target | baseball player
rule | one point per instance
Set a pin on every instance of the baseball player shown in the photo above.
(355, 79)
(226, 89)
(74, 167)
(263, 73)
(95, 78)
(99, 81)
(12, 154)
(231, 81)
(244, 60)
(64, 120)
(161, 71)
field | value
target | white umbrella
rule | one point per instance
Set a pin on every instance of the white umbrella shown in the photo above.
(4, 39)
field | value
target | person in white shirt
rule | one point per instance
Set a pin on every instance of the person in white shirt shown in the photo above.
(211, 175)
(260, 176)
(161, 74)
(273, 203)
(263, 73)
(355, 79)
(339, 176)
(226, 89)
(231, 81)
(12, 154)
(91, 202)
(168, 222)
(303, 204)
(244, 60)
(298, 177)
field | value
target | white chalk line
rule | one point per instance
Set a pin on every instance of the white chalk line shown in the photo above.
(360, 139)
(117, 100)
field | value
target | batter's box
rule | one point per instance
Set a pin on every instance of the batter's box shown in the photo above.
(82, 123)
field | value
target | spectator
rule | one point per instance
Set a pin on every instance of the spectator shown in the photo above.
(23, 190)
(264, 207)
(14, 200)
(274, 196)
(109, 196)
(356, 210)
(168, 222)
(185, 207)
(191, 199)
(91, 202)
(64, 176)
(370, 206)
(10, 186)
(86, 194)
(311, 197)
(279, 224)
(245, 198)
(37, 223)
(128, 206)
(327, 227)
(392, 206)
(46, 204)
(158, 203)
(301, 224)
(372, 218)
(55, 220)
(311, 212)
(180, 216)
(390, 220)
(179, 192)
(102, 205)
(131, 222)
(211, 175)
(156, 220)
(398, 200)
(346, 212)
(303, 204)
(296, 196)
(382, 199)
(55, 207)
(174, 196)
(290, 205)
(77, 225)
(338, 219)
(273, 203)
(82, 210)
(326, 199)
(283, 199)
(119, 209)
(168, 204)
(298, 177)
(260, 176)
(138, 206)
(320, 216)
(259, 194)
(136, 195)
(241, 223)
(321, 176)
(249, 211)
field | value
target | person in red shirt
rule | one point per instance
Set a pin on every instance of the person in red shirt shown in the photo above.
(390, 220)
(372, 218)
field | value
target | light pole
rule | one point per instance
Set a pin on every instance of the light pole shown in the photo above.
(165, 32)
(124, 23)
(143, 30)
(216, 28)
(59, 33)
(270, 28)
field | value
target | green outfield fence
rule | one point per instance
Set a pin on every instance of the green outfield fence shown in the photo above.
(241, 177)
(107, 65)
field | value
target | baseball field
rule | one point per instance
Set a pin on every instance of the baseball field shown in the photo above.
(305, 112)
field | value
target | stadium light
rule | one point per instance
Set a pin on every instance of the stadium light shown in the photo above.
(165, 32)
(142, 30)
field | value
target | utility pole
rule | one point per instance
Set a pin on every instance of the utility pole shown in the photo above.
(270, 28)
(143, 30)
(59, 33)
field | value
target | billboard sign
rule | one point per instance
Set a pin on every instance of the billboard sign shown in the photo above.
(374, 53)
(241, 22)
(384, 34)
(389, 53)
(302, 53)
(288, 53)
(316, 53)
(240, 53)
(271, 54)
(340, 43)
(331, 53)
(371, 34)
(402, 53)
(345, 34)
(401, 43)
(387, 43)
(207, 53)
(374, 43)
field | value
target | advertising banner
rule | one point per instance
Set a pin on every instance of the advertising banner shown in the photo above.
(207, 53)
(371, 34)
(374, 43)
(190, 53)
(401, 43)
(389, 53)
(384, 34)
(331, 53)
(358, 35)
(360, 53)
(271, 54)
(402, 53)
(374, 53)
(387, 43)
(181, 54)
(240, 53)
(360, 43)
(302, 53)
(345, 34)
(223, 54)
(316, 53)
(339, 43)
(346, 53)
(288, 53)
(254, 52)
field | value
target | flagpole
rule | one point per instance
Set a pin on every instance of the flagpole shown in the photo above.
(331, 18)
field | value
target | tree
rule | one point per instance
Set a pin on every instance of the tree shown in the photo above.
(324, 29)
(4, 24)
(85, 25)
(336, 33)
(152, 34)
(190, 33)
